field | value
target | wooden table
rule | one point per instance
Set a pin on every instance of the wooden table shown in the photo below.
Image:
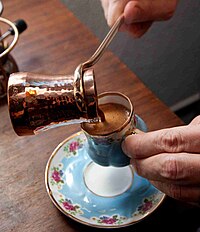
(55, 43)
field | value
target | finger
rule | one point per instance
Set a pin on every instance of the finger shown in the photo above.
(172, 140)
(145, 10)
(115, 9)
(180, 168)
(195, 121)
(137, 29)
(138, 131)
(185, 193)
(105, 6)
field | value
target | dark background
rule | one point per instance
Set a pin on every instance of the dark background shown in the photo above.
(166, 59)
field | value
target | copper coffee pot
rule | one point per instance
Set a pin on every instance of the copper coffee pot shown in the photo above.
(8, 64)
(39, 102)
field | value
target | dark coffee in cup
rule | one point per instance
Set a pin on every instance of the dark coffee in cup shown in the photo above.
(115, 115)
(104, 138)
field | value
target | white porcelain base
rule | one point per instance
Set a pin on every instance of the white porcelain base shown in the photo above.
(111, 181)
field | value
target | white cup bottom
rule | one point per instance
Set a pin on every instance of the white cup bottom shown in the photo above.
(108, 181)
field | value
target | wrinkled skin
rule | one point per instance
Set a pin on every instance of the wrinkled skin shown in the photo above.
(170, 159)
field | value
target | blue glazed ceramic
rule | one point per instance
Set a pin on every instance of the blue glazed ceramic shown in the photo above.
(105, 149)
(105, 197)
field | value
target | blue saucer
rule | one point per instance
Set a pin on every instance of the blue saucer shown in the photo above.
(67, 187)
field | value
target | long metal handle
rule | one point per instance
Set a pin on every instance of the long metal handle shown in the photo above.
(104, 44)
(78, 74)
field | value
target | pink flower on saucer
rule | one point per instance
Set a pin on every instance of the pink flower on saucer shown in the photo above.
(109, 221)
(73, 209)
(56, 176)
(68, 206)
(73, 146)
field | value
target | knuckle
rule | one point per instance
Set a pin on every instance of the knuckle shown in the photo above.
(169, 168)
(171, 141)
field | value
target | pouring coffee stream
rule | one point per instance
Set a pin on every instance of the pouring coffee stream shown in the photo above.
(39, 102)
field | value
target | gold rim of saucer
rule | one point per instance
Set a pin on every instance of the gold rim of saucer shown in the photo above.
(49, 191)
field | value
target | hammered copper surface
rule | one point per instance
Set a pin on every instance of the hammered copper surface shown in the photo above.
(38, 102)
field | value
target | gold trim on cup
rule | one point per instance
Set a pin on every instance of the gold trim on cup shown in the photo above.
(125, 123)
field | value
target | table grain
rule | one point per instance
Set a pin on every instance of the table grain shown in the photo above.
(55, 43)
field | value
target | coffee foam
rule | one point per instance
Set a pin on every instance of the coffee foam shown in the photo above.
(115, 116)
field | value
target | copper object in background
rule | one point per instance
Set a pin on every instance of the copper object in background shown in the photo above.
(39, 102)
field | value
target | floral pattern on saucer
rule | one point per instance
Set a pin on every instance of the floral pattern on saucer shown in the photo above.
(56, 176)
(73, 209)
(147, 204)
(71, 148)
(110, 220)
(67, 190)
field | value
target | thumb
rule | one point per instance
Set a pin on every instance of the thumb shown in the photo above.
(171, 140)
